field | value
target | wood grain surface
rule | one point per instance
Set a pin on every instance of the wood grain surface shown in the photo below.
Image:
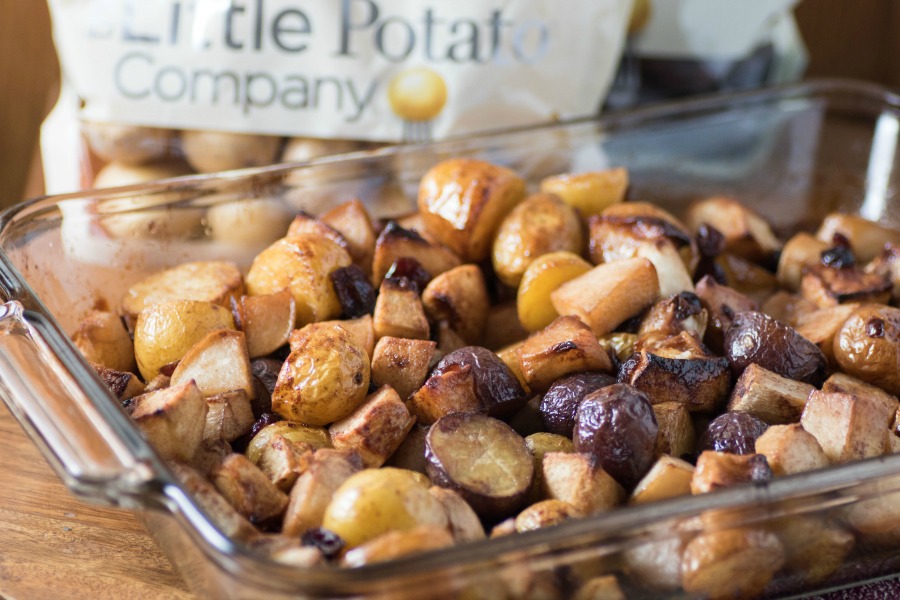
(55, 546)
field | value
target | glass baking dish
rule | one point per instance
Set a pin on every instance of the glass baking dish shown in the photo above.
(794, 153)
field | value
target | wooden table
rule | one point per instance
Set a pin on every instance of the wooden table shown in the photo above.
(55, 546)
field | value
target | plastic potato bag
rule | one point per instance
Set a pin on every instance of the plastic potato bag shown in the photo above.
(205, 85)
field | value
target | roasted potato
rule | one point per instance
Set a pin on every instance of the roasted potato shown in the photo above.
(539, 225)
(302, 265)
(867, 346)
(165, 332)
(325, 377)
(463, 201)
(542, 277)
(377, 501)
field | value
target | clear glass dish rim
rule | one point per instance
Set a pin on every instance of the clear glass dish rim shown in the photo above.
(597, 530)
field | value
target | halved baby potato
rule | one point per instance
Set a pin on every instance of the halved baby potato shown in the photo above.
(165, 332)
(300, 264)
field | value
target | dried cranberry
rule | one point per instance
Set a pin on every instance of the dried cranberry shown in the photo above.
(838, 257)
(325, 540)
(263, 421)
(734, 432)
(839, 239)
(710, 241)
(687, 304)
(875, 328)
(409, 268)
(354, 291)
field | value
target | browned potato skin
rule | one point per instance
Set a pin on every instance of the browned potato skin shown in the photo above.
(867, 346)
(542, 223)
(447, 466)
(211, 281)
(323, 379)
(463, 201)
(757, 338)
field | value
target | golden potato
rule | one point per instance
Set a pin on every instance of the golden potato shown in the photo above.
(301, 264)
(165, 332)
(463, 201)
(210, 281)
(867, 346)
(209, 151)
(325, 377)
(592, 192)
(540, 279)
(541, 224)
(248, 222)
(376, 501)
(130, 144)
(317, 437)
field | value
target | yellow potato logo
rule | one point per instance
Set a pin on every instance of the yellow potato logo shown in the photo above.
(417, 96)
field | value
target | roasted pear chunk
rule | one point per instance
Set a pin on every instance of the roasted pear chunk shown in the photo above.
(172, 419)
(209, 281)
(375, 429)
(314, 490)
(353, 222)
(746, 233)
(248, 489)
(459, 297)
(402, 363)
(218, 363)
(848, 426)
(674, 314)
(608, 294)
(267, 321)
(768, 396)
(676, 436)
(827, 286)
(399, 311)
(563, 347)
(717, 470)
(578, 480)
(791, 449)
(667, 478)
(716, 564)
(396, 243)
(102, 339)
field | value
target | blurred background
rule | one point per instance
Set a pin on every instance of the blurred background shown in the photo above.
(845, 38)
